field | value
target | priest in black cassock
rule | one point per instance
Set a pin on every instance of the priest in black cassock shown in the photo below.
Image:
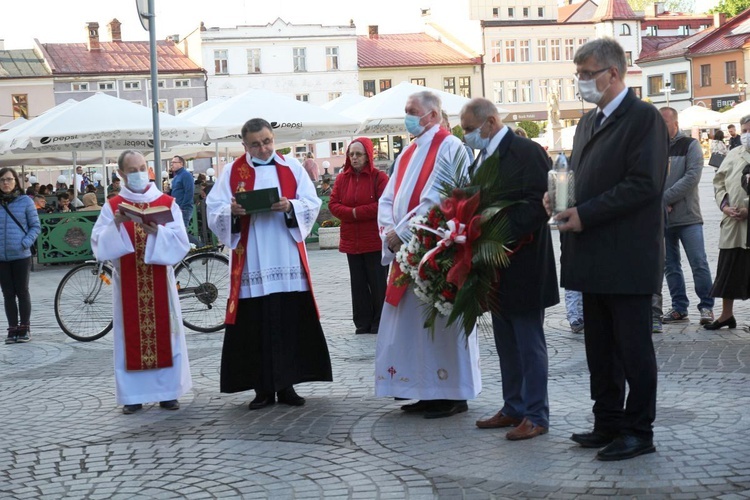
(273, 336)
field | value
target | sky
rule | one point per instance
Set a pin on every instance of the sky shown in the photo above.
(63, 21)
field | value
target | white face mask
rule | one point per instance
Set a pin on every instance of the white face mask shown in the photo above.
(138, 181)
(588, 90)
(745, 138)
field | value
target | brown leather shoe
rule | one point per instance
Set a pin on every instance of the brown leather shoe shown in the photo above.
(526, 430)
(498, 421)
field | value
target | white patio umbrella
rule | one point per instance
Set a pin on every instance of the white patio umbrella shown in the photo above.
(343, 102)
(14, 123)
(384, 112)
(698, 116)
(735, 114)
(292, 120)
(200, 108)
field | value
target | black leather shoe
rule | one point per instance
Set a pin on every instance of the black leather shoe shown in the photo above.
(421, 405)
(361, 330)
(446, 409)
(261, 401)
(289, 397)
(172, 404)
(595, 439)
(374, 329)
(625, 447)
(130, 409)
(731, 323)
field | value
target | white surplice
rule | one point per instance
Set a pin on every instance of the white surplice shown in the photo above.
(273, 261)
(409, 363)
(167, 247)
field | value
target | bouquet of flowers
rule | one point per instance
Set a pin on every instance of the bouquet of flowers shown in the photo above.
(458, 247)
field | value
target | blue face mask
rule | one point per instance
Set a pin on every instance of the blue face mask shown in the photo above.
(475, 140)
(413, 126)
(258, 161)
(138, 181)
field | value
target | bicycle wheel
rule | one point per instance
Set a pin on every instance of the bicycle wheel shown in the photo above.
(203, 282)
(83, 302)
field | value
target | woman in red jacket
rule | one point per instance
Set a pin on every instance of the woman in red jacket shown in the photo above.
(355, 201)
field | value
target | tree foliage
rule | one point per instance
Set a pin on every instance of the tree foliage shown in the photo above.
(731, 7)
(531, 128)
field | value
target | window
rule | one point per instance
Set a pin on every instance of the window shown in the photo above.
(106, 86)
(332, 58)
(679, 82)
(368, 87)
(163, 106)
(464, 86)
(138, 102)
(449, 85)
(569, 91)
(525, 94)
(510, 51)
(418, 81)
(543, 90)
(540, 12)
(570, 49)
(253, 61)
(132, 85)
(652, 31)
(684, 30)
(638, 91)
(554, 50)
(181, 105)
(302, 97)
(511, 12)
(20, 105)
(385, 85)
(495, 12)
(525, 12)
(181, 84)
(524, 51)
(497, 92)
(299, 58)
(556, 86)
(79, 87)
(705, 75)
(629, 58)
(582, 41)
(511, 91)
(337, 148)
(655, 84)
(221, 63)
(159, 83)
(495, 50)
(624, 30)
(333, 95)
(541, 50)
(730, 72)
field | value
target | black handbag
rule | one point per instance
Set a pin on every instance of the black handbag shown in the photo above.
(716, 159)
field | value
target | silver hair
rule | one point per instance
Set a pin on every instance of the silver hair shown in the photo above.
(606, 51)
(428, 100)
(744, 119)
(480, 108)
(125, 154)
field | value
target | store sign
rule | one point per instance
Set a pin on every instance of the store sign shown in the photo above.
(721, 102)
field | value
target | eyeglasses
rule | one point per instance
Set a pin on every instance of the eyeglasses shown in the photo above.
(7, 180)
(588, 75)
(355, 155)
(258, 145)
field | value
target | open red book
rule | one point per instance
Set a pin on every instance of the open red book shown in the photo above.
(160, 215)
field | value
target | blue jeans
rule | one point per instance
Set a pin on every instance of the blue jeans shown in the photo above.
(573, 305)
(691, 238)
(187, 214)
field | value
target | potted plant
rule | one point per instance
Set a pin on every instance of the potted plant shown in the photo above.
(329, 233)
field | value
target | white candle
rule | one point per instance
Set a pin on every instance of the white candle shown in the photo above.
(561, 191)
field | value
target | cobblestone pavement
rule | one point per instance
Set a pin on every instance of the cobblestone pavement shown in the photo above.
(64, 436)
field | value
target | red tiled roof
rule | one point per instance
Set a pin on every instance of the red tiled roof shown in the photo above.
(732, 35)
(673, 20)
(664, 47)
(610, 10)
(565, 11)
(115, 57)
(410, 49)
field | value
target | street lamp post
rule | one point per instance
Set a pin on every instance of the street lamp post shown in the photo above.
(739, 85)
(667, 90)
(146, 13)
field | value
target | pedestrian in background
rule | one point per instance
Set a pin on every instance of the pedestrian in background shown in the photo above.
(19, 227)
(311, 167)
(355, 201)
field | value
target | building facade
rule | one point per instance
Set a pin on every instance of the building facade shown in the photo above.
(26, 88)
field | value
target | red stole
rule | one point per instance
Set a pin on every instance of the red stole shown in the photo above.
(393, 292)
(242, 178)
(145, 299)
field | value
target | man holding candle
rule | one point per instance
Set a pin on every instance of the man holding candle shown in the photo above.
(613, 249)
(529, 284)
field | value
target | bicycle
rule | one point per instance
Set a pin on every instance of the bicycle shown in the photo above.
(83, 300)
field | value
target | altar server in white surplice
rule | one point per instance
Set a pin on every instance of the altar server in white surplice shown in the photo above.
(441, 371)
(273, 336)
(151, 361)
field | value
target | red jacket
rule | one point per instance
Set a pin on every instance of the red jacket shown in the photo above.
(360, 190)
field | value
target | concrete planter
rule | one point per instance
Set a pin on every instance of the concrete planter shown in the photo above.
(328, 237)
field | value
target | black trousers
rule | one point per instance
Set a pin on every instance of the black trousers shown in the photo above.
(619, 350)
(368, 281)
(14, 280)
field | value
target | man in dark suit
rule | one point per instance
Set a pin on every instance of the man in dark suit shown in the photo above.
(529, 285)
(613, 248)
